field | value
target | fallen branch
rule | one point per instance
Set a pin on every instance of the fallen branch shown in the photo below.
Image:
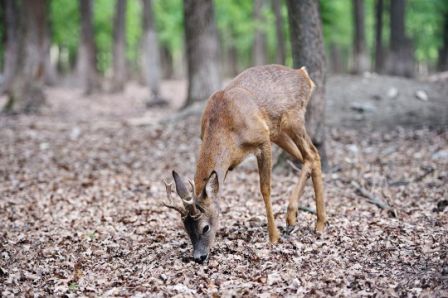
(371, 198)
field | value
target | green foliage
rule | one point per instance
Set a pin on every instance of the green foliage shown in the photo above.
(103, 12)
(236, 28)
(64, 20)
(424, 25)
(169, 24)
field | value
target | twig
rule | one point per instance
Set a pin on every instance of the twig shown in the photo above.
(308, 209)
(371, 198)
(426, 173)
(293, 166)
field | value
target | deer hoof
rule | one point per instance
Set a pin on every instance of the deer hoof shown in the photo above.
(320, 226)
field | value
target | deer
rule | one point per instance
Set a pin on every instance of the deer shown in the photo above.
(262, 105)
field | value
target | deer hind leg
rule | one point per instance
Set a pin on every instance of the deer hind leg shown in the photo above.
(287, 144)
(264, 159)
(311, 158)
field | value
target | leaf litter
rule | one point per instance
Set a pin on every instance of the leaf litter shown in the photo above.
(81, 214)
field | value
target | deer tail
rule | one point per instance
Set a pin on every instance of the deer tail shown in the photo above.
(307, 77)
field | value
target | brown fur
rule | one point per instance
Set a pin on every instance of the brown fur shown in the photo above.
(262, 105)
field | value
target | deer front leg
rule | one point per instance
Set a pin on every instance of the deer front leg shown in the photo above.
(264, 159)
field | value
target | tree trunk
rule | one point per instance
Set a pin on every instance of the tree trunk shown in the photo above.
(280, 54)
(308, 50)
(26, 94)
(119, 49)
(86, 60)
(166, 60)
(442, 64)
(151, 56)
(232, 55)
(379, 50)
(401, 55)
(259, 47)
(11, 17)
(202, 50)
(336, 58)
(360, 57)
(49, 66)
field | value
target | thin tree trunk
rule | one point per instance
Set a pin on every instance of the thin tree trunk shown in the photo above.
(280, 54)
(119, 49)
(11, 17)
(259, 47)
(86, 61)
(335, 58)
(233, 60)
(166, 60)
(151, 56)
(202, 50)
(401, 54)
(360, 58)
(308, 50)
(442, 64)
(26, 94)
(50, 68)
(379, 50)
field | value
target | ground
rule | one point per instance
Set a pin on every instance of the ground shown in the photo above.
(81, 191)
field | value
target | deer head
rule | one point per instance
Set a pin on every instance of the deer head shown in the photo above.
(199, 214)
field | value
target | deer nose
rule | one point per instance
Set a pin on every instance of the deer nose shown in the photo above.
(200, 259)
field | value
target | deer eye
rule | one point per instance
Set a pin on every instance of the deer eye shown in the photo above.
(205, 229)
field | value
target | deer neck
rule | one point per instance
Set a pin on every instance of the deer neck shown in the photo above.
(211, 159)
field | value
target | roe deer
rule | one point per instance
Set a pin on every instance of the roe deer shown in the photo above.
(262, 105)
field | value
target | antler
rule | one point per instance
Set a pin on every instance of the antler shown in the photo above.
(170, 202)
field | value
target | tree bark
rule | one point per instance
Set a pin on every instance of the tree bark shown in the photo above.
(166, 60)
(401, 54)
(308, 50)
(442, 64)
(119, 49)
(86, 61)
(11, 17)
(379, 50)
(151, 55)
(259, 47)
(336, 64)
(202, 50)
(49, 66)
(360, 57)
(26, 94)
(280, 54)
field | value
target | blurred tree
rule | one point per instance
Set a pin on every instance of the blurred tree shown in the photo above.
(379, 50)
(360, 57)
(150, 54)
(442, 64)
(26, 93)
(119, 47)
(11, 20)
(202, 50)
(86, 61)
(401, 54)
(166, 61)
(50, 72)
(308, 50)
(280, 52)
(259, 46)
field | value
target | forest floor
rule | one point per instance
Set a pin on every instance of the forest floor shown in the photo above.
(81, 190)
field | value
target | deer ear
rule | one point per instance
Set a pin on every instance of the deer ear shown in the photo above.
(212, 187)
(181, 189)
